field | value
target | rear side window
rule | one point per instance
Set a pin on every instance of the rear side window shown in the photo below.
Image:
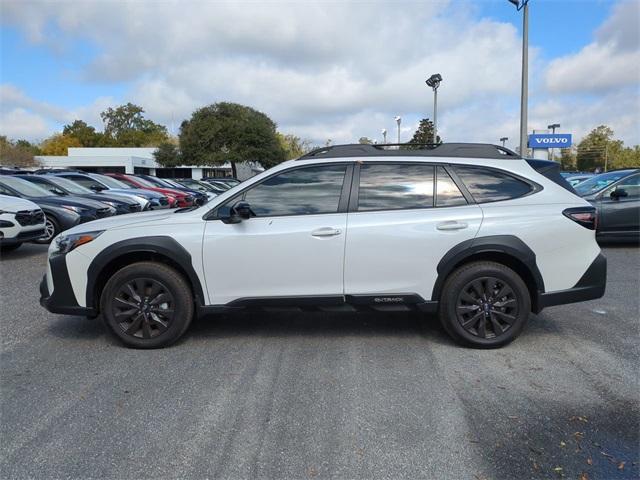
(394, 187)
(447, 192)
(486, 185)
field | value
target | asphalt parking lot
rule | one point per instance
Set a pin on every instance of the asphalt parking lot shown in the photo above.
(285, 395)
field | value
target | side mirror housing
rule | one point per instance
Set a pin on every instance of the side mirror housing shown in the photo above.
(240, 210)
(97, 188)
(618, 193)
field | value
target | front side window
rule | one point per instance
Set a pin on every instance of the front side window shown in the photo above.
(302, 191)
(630, 186)
(84, 181)
(395, 186)
(486, 185)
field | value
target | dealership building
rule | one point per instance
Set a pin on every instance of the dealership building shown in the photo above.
(138, 160)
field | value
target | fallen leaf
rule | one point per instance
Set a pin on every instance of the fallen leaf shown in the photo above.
(562, 444)
(589, 461)
(621, 466)
(583, 476)
(536, 467)
(578, 418)
(557, 469)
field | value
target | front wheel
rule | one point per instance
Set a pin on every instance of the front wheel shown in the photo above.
(147, 305)
(484, 305)
(51, 229)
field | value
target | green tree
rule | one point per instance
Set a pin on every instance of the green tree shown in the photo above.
(126, 126)
(59, 144)
(229, 132)
(595, 150)
(86, 134)
(567, 159)
(293, 146)
(365, 141)
(424, 133)
(168, 155)
(17, 154)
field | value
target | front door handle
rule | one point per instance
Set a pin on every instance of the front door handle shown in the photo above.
(326, 232)
(452, 225)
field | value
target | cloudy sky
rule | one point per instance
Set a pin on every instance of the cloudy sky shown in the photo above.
(323, 69)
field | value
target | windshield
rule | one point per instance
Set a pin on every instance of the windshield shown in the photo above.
(599, 182)
(68, 185)
(24, 187)
(110, 181)
(144, 182)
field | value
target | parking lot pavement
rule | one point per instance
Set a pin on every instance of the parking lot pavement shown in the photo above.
(320, 396)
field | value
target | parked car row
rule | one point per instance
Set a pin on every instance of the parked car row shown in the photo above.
(37, 206)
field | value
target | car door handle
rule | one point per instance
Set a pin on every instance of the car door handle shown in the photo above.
(453, 225)
(326, 232)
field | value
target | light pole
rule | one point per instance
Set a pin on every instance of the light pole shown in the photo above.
(398, 120)
(524, 5)
(553, 127)
(504, 139)
(434, 82)
(384, 135)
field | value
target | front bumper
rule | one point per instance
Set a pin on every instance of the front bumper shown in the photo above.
(62, 299)
(590, 287)
(23, 237)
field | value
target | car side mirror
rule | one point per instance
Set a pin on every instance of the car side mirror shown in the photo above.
(97, 188)
(240, 210)
(619, 193)
(57, 191)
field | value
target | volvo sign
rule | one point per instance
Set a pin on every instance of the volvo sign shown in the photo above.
(549, 140)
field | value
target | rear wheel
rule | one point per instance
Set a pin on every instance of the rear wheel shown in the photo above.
(147, 305)
(484, 305)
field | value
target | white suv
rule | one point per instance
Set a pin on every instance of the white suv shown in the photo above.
(21, 221)
(471, 231)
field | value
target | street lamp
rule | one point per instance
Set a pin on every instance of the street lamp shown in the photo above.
(384, 135)
(504, 139)
(434, 82)
(552, 127)
(398, 120)
(523, 5)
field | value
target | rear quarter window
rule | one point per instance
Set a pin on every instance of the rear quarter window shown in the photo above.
(488, 185)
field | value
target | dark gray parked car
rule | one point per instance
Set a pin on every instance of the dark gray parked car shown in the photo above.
(616, 195)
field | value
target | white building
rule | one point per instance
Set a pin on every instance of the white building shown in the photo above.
(138, 160)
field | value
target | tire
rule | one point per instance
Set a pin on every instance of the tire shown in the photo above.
(159, 321)
(473, 321)
(9, 248)
(51, 228)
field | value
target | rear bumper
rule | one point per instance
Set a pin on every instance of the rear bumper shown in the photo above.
(62, 299)
(590, 287)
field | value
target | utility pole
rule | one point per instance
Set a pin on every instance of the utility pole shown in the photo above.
(524, 5)
(398, 120)
(504, 139)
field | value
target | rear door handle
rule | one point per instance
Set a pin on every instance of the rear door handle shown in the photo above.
(326, 232)
(452, 225)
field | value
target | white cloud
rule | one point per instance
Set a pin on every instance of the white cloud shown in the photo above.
(611, 61)
(18, 123)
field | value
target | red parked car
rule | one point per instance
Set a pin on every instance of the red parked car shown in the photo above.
(183, 199)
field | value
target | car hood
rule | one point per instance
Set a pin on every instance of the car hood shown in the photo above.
(119, 221)
(148, 194)
(70, 200)
(13, 204)
(112, 197)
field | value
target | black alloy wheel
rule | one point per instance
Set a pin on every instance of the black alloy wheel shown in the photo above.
(144, 307)
(147, 305)
(484, 305)
(487, 307)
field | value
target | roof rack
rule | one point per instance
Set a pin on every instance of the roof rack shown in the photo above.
(472, 150)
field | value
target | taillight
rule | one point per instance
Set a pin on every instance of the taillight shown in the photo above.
(585, 216)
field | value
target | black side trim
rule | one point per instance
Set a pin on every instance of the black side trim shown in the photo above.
(62, 300)
(386, 302)
(165, 246)
(505, 244)
(590, 286)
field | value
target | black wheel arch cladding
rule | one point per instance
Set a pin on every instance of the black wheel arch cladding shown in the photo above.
(508, 245)
(156, 245)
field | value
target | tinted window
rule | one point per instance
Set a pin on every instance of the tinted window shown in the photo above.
(84, 181)
(447, 192)
(599, 182)
(487, 185)
(631, 186)
(391, 187)
(302, 191)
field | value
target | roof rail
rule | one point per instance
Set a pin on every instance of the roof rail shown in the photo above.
(472, 150)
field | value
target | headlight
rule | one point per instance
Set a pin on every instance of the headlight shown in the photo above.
(72, 208)
(66, 243)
